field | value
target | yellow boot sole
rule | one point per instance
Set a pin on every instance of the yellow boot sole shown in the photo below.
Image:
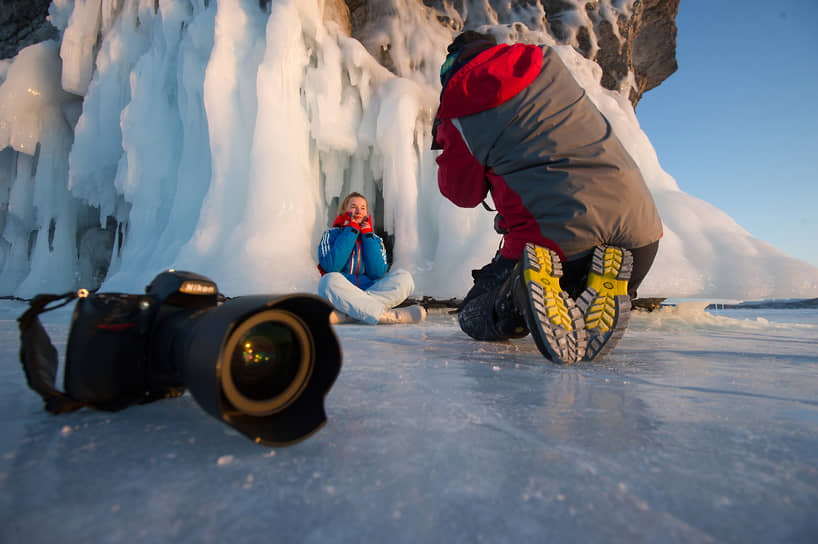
(551, 314)
(605, 303)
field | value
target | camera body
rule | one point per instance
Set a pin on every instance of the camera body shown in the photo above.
(110, 358)
(260, 363)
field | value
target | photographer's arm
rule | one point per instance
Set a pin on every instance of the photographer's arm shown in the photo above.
(460, 176)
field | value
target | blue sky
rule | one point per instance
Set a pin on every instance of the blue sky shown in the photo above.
(737, 124)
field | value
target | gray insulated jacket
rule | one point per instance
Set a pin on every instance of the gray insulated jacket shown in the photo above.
(513, 121)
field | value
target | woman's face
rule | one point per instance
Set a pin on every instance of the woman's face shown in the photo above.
(357, 208)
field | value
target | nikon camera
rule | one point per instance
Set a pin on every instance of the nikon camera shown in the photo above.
(260, 363)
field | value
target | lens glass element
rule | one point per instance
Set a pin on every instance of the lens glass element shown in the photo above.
(265, 361)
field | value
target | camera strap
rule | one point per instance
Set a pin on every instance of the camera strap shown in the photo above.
(39, 357)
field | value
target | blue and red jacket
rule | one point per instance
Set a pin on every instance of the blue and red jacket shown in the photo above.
(361, 258)
(513, 122)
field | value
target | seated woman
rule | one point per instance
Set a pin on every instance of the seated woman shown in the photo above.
(354, 278)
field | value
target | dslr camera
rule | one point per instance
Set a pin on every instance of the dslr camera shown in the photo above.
(260, 363)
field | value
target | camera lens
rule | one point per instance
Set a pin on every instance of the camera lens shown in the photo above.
(269, 361)
(265, 361)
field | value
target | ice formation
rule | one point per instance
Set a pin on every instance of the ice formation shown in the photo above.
(217, 137)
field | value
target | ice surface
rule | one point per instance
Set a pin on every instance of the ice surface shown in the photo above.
(218, 137)
(699, 427)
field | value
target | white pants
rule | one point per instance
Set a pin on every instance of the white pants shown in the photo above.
(366, 306)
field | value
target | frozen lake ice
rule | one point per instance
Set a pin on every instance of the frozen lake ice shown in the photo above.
(699, 427)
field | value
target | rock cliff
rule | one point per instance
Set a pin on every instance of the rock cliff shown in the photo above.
(637, 37)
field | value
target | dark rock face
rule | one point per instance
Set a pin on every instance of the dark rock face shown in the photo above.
(654, 44)
(22, 23)
(647, 46)
(337, 10)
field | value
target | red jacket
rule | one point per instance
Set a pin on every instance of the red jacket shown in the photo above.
(515, 123)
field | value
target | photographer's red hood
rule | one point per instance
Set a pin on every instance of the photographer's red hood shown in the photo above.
(490, 79)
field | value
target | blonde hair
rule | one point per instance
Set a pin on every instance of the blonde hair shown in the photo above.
(350, 196)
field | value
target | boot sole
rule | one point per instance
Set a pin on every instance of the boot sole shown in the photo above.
(339, 318)
(605, 304)
(551, 314)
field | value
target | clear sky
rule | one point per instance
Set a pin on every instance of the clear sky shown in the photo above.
(737, 124)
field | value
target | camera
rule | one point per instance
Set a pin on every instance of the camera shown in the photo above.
(262, 364)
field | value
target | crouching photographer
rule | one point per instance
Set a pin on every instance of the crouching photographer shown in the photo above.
(260, 363)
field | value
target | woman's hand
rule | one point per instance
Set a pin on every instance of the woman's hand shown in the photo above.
(366, 224)
(345, 220)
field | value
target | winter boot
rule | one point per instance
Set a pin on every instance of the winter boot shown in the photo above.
(551, 314)
(605, 304)
(410, 314)
(340, 318)
(509, 321)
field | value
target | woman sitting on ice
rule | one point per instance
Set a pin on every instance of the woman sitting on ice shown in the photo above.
(354, 278)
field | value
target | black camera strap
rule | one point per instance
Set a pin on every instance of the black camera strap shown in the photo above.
(39, 357)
